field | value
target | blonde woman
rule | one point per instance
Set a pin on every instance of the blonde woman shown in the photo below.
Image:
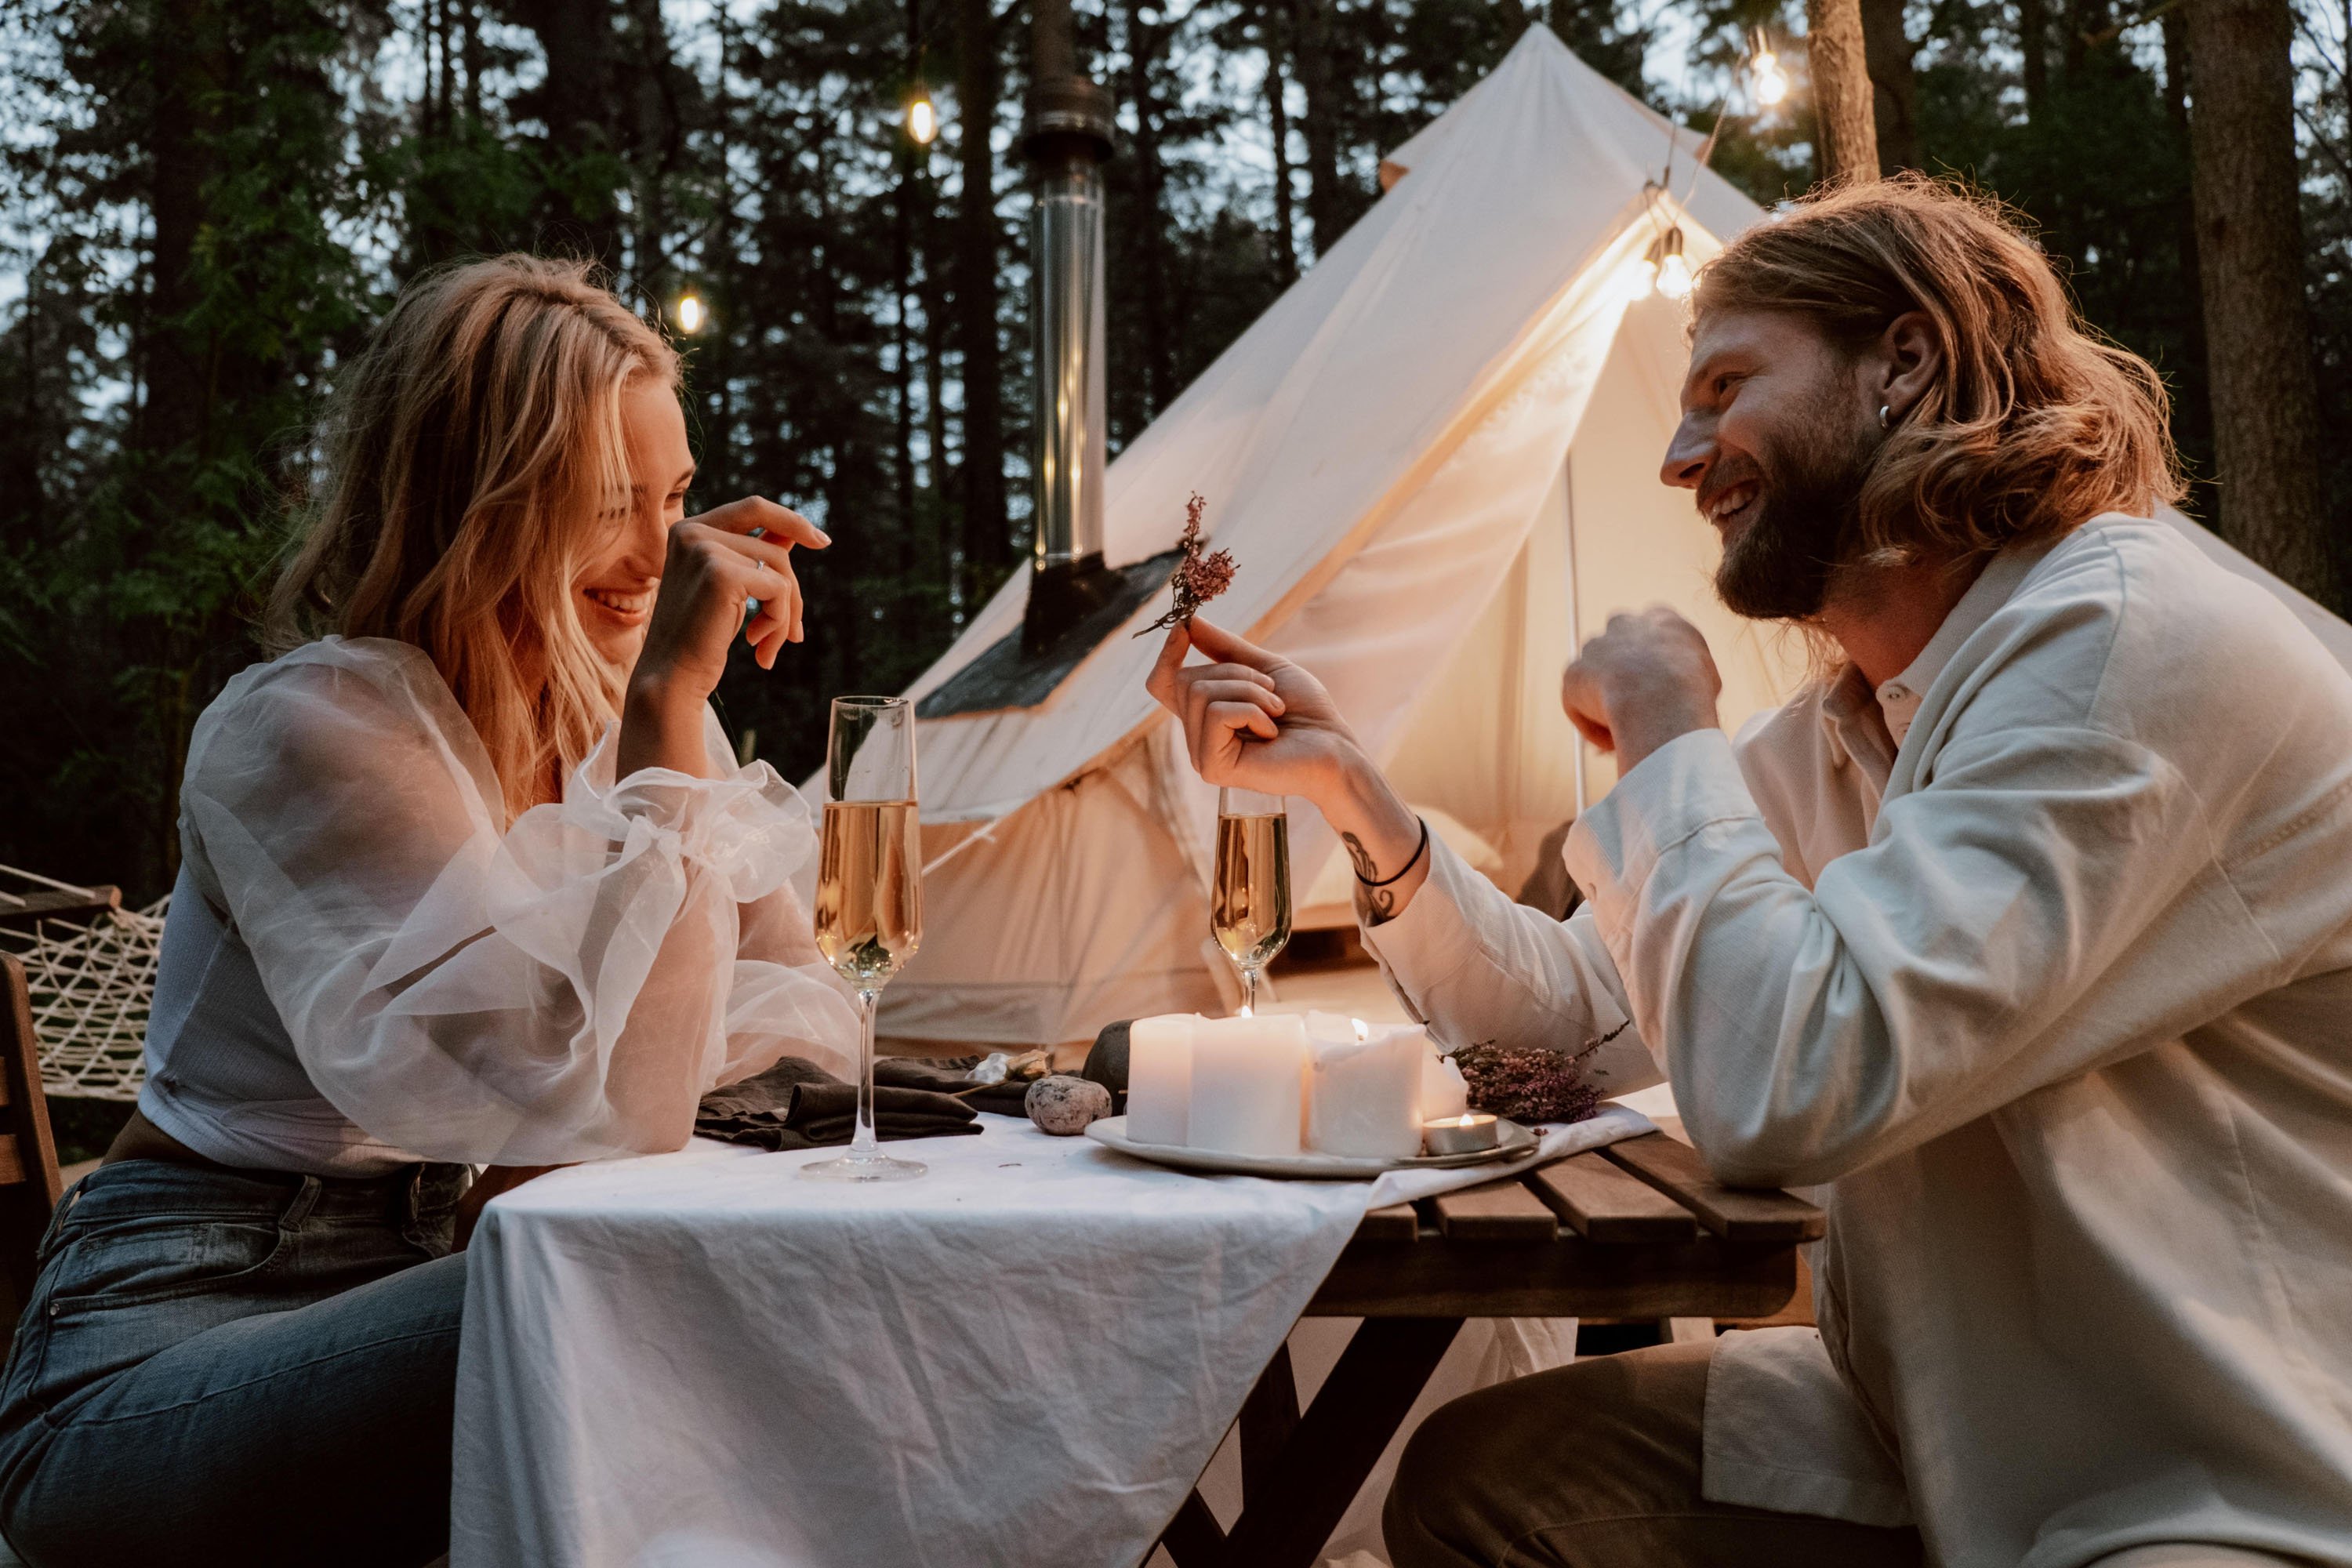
(471, 877)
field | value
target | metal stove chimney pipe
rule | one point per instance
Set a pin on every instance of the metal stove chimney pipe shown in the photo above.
(1067, 141)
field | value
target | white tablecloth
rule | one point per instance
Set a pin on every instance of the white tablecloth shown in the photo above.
(1026, 1358)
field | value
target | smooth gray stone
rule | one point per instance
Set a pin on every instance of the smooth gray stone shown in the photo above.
(1063, 1105)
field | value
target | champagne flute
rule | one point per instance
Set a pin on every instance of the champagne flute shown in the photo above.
(1250, 907)
(869, 892)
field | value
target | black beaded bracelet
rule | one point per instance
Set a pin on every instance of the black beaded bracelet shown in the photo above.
(1417, 851)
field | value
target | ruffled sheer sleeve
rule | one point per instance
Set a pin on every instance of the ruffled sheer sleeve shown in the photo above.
(564, 989)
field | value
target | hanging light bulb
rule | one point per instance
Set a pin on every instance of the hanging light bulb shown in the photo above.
(1638, 275)
(922, 119)
(1635, 278)
(1769, 82)
(1674, 267)
(689, 314)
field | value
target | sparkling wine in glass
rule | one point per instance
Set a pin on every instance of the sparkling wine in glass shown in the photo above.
(1249, 909)
(869, 892)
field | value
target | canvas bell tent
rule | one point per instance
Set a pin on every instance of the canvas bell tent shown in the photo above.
(1434, 460)
(1435, 463)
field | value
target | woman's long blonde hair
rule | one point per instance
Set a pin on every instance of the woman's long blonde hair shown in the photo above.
(2035, 424)
(476, 459)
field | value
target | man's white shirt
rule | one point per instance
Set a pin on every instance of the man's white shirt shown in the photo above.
(2038, 957)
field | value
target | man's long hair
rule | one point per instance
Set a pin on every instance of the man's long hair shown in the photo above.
(2036, 424)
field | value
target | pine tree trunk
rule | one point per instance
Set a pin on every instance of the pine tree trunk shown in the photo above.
(2192, 405)
(1311, 44)
(1888, 50)
(1278, 122)
(2257, 317)
(2033, 48)
(172, 359)
(1844, 117)
(987, 543)
(577, 100)
(1144, 44)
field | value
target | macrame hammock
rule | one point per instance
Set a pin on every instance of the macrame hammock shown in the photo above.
(92, 977)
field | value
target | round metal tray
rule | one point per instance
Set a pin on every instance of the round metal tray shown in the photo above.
(1111, 1133)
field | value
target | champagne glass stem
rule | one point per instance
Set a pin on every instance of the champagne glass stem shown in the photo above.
(1249, 989)
(862, 1139)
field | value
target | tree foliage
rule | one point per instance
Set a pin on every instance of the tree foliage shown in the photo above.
(208, 201)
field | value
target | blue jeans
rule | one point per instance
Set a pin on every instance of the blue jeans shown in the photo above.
(236, 1367)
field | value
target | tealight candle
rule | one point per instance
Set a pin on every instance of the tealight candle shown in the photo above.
(1364, 1092)
(1160, 1077)
(1443, 1092)
(1463, 1134)
(1247, 1078)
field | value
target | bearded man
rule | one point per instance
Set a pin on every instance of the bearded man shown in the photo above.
(2027, 933)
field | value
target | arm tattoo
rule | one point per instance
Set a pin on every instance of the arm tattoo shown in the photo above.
(1375, 906)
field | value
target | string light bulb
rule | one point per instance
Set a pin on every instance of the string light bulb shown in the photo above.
(923, 118)
(1638, 275)
(689, 314)
(1767, 78)
(1674, 278)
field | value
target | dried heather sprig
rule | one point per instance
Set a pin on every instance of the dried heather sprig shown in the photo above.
(1197, 578)
(1531, 1084)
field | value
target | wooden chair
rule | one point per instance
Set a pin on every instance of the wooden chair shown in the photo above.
(23, 911)
(30, 1184)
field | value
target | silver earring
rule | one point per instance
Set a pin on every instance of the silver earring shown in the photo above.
(1882, 416)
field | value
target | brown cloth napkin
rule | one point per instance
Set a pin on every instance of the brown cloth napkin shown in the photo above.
(797, 1104)
(952, 1075)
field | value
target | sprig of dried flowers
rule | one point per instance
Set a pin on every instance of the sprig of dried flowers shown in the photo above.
(1197, 578)
(1531, 1084)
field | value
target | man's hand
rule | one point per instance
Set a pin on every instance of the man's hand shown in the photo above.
(1252, 719)
(1641, 683)
(1255, 721)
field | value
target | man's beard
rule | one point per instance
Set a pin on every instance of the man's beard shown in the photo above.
(1781, 568)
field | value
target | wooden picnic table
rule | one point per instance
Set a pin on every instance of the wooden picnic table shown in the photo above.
(1636, 1230)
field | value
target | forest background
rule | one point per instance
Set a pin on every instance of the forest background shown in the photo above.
(208, 202)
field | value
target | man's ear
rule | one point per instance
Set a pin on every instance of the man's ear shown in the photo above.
(1910, 360)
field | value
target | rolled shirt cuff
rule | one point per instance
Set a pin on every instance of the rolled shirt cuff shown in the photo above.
(1680, 789)
(1431, 938)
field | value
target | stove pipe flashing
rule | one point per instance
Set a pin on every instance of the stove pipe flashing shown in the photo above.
(1067, 141)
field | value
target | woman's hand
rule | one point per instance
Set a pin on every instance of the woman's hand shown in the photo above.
(714, 568)
(494, 1180)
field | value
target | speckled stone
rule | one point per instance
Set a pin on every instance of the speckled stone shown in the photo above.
(1063, 1105)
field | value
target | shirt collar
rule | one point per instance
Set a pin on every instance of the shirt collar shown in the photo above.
(1899, 698)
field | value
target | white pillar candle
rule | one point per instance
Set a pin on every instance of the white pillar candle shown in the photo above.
(1364, 1094)
(1334, 1027)
(1443, 1092)
(1246, 1080)
(1160, 1077)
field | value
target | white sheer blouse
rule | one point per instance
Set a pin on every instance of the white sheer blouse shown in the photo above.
(365, 965)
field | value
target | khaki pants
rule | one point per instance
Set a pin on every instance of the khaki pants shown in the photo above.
(1597, 1466)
